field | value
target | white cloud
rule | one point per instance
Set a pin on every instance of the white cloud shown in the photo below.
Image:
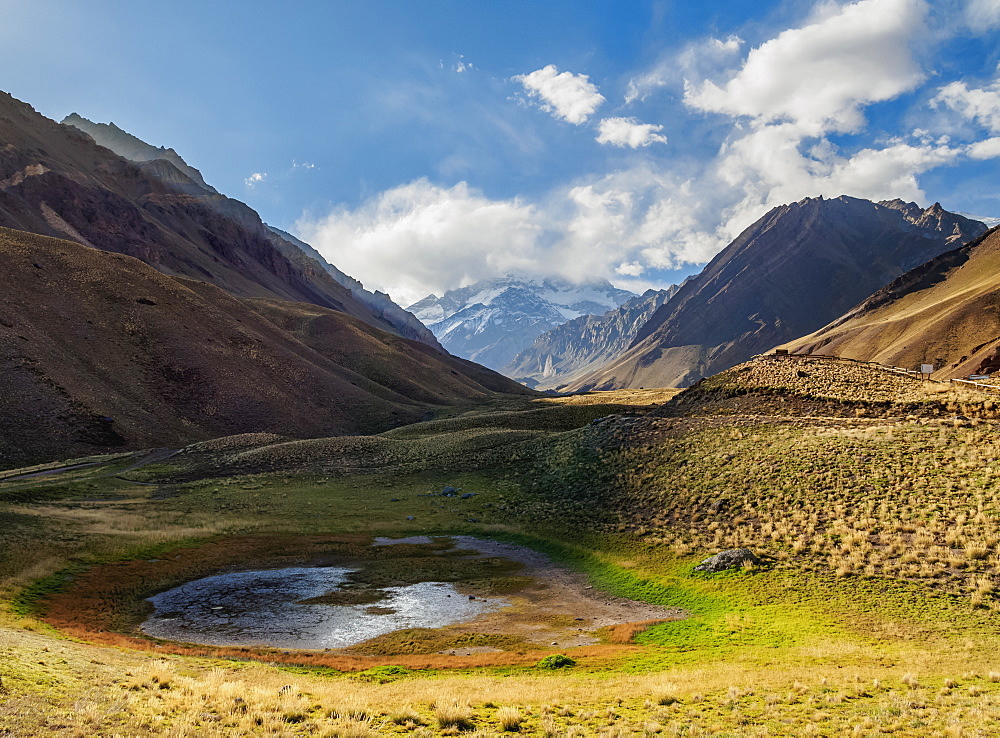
(983, 15)
(988, 149)
(569, 96)
(796, 90)
(420, 238)
(302, 164)
(461, 66)
(822, 74)
(981, 105)
(631, 269)
(629, 132)
(698, 60)
(255, 179)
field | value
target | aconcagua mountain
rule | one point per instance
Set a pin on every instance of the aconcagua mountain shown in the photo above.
(793, 271)
(583, 344)
(490, 321)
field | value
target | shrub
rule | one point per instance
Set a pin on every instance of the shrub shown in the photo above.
(556, 661)
(383, 674)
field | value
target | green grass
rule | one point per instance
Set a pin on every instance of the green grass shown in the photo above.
(845, 513)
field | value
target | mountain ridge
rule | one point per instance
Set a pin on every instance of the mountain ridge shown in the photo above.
(100, 351)
(583, 344)
(490, 321)
(945, 312)
(168, 167)
(790, 272)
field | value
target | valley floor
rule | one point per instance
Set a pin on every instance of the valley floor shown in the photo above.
(870, 497)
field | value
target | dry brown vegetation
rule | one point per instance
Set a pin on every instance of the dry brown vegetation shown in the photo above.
(943, 313)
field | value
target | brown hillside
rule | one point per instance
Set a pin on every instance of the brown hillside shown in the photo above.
(946, 313)
(56, 181)
(98, 350)
(794, 270)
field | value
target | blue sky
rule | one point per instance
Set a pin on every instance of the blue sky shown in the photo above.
(422, 146)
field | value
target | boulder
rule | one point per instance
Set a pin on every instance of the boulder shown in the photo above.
(731, 559)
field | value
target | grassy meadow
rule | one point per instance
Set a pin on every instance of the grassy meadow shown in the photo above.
(869, 497)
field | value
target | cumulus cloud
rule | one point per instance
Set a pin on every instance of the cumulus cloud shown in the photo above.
(807, 83)
(988, 149)
(784, 100)
(623, 132)
(421, 238)
(822, 74)
(302, 164)
(571, 97)
(981, 105)
(255, 179)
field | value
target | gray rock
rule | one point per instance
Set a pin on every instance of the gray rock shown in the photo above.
(731, 559)
(719, 505)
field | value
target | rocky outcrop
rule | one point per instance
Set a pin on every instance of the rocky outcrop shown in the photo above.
(134, 149)
(584, 344)
(491, 321)
(793, 271)
(734, 558)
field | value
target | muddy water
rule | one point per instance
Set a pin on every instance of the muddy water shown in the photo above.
(260, 608)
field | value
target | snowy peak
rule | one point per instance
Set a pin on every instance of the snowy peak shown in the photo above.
(492, 320)
(585, 343)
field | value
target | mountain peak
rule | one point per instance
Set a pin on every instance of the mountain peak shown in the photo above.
(490, 321)
(788, 274)
(133, 148)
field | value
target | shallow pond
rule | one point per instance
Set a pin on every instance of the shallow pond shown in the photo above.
(262, 608)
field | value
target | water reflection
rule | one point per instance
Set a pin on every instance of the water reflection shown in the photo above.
(260, 608)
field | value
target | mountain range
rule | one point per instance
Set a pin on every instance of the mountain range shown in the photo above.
(793, 271)
(584, 344)
(490, 321)
(139, 308)
(168, 167)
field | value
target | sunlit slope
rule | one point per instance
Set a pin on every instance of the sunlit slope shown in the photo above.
(794, 270)
(946, 313)
(98, 350)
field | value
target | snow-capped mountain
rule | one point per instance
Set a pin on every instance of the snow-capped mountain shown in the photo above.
(491, 321)
(585, 343)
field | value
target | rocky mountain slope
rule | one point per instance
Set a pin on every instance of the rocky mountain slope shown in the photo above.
(794, 270)
(584, 344)
(132, 148)
(168, 167)
(491, 321)
(945, 312)
(99, 350)
(56, 181)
